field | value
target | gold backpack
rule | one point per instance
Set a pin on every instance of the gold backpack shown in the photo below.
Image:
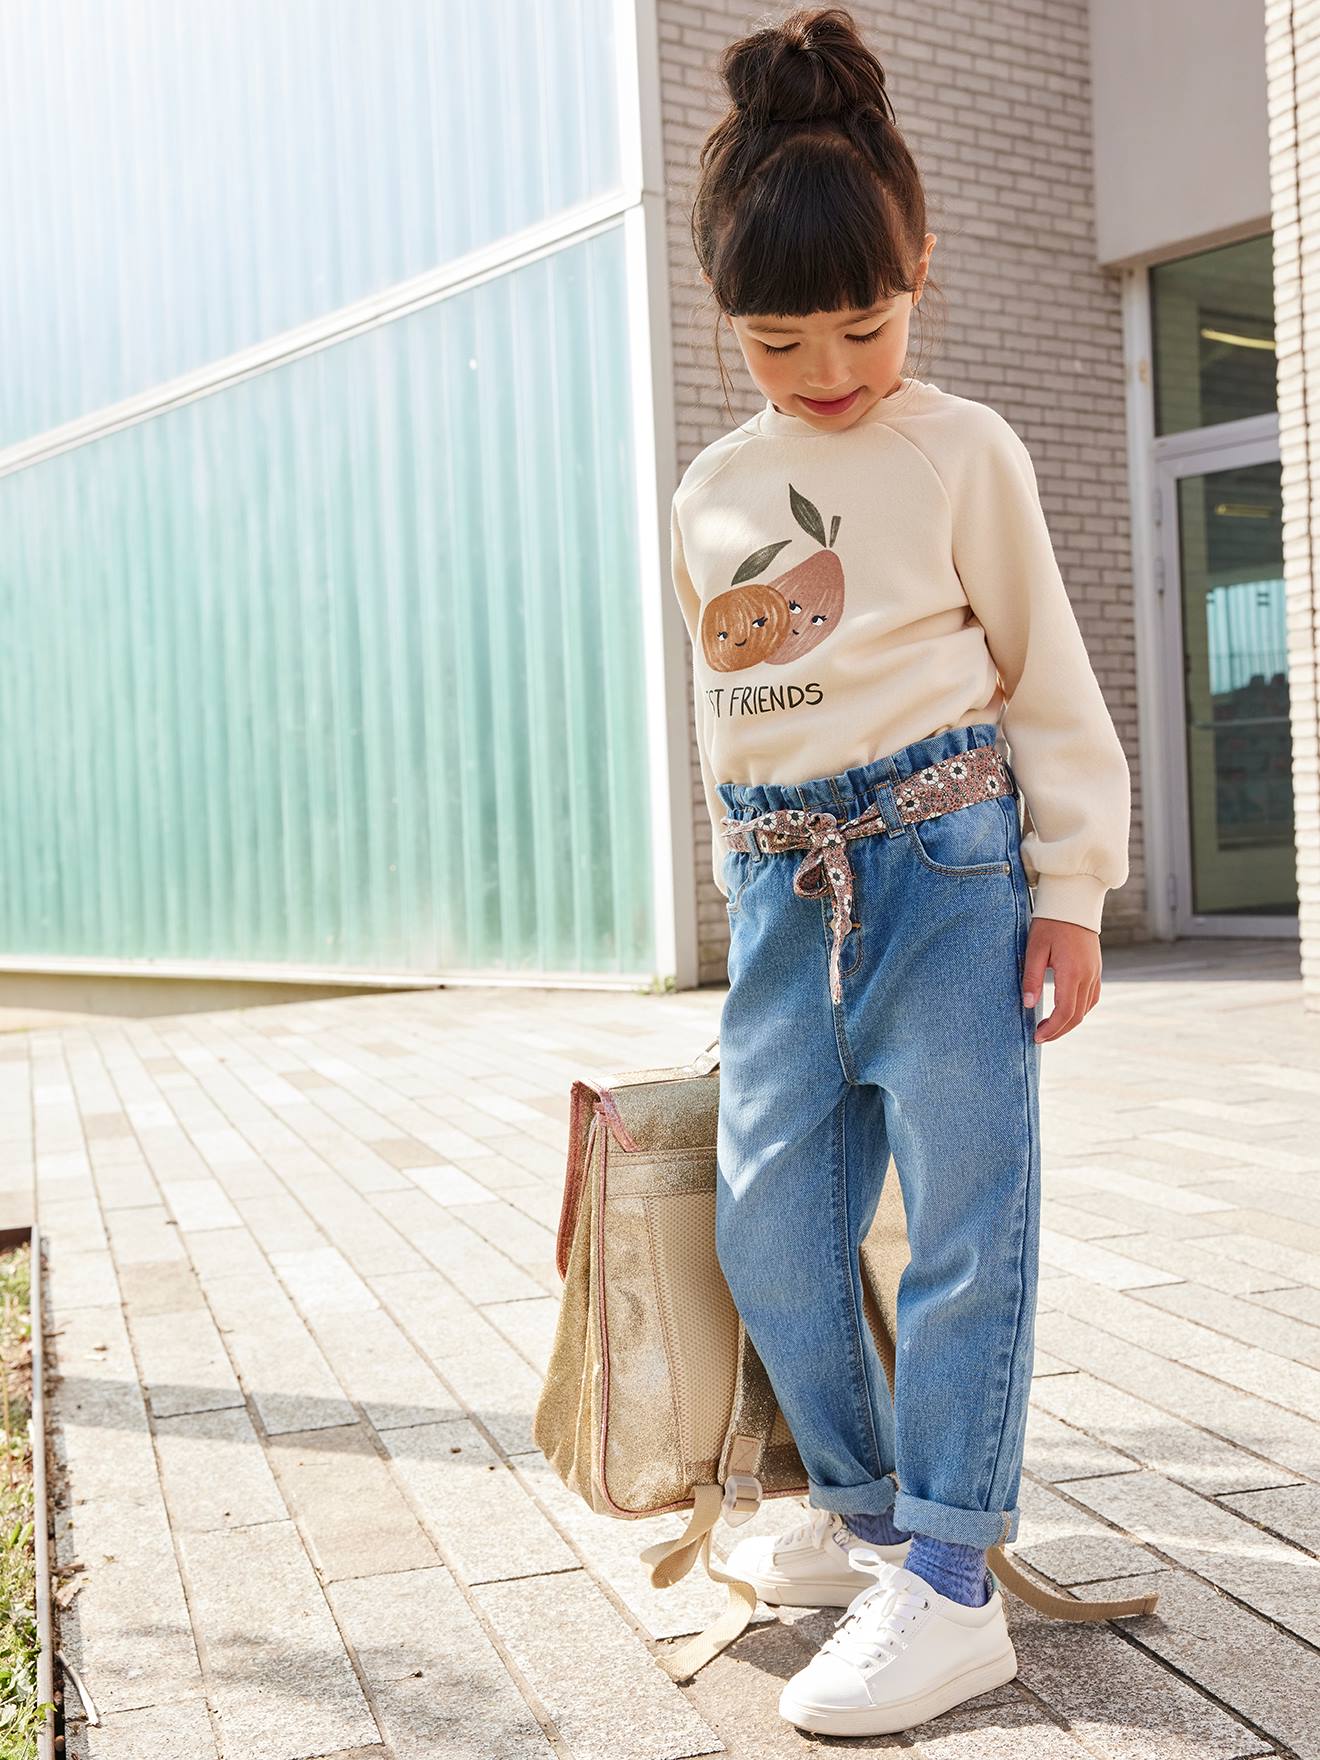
(655, 1398)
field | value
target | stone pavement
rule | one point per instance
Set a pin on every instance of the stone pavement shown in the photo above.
(302, 1287)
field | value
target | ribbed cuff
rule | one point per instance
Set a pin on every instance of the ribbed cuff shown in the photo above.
(1072, 898)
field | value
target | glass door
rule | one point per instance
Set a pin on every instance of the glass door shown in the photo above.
(1223, 592)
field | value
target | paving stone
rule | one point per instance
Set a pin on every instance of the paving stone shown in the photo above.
(280, 1681)
(529, 1326)
(1245, 1322)
(127, 1631)
(1292, 1511)
(322, 1281)
(181, 1731)
(1284, 1439)
(74, 1224)
(79, 1279)
(352, 1515)
(283, 1371)
(183, 1363)
(369, 1242)
(607, 1697)
(1098, 1264)
(529, 1244)
(1289, 1263)
(440, 1686)
(160, 1289)
(1264, 1674)
(478, 1270)
(1152, 1437)
(279, 1224)
(382, 1371)
(451, 1185)
(1069, 1546)
(473, 1505)
(1161, 1194)
(1079, 1224)
(487, 1374)
(143, 1236)
(1056, 1451)
(215, 1472)
(1299, 1300)
(1194, 1259)
(123, 1179)
(225, 1252)
(99, 1422)
(199, 1203)
(1276, 1579)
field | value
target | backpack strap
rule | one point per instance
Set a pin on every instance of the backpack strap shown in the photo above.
(737, 1495)
(752, 1418)
(1009, 1576)
(671, 1560)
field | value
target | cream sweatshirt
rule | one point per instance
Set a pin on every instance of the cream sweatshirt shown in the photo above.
(849, 592)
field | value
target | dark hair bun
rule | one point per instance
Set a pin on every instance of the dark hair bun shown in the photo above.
(811, 67)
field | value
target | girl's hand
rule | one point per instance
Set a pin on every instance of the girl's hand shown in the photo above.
(1073, 952)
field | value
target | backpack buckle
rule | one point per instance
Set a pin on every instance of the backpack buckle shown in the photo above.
(742, 1498)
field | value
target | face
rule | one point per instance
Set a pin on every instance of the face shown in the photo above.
(852, 359)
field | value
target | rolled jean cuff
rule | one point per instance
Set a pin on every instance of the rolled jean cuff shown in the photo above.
(945, 1521)
(870, 1499)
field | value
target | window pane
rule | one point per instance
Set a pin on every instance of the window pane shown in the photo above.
(339, 665)
(1235, 666)
(1212, 318)
(178, 182)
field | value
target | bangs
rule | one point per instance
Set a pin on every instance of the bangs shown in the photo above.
(813, 230)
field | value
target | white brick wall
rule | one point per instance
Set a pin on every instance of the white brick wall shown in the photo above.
(1292, 41)
(993, 98)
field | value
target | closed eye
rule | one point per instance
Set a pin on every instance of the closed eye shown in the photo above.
(791, 345)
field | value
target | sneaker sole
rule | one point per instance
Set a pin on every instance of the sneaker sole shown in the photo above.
(880, 1720)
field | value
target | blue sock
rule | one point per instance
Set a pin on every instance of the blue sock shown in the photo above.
(951, 1569)
(877, 1530)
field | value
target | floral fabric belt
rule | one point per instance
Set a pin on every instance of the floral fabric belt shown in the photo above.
(960, 781)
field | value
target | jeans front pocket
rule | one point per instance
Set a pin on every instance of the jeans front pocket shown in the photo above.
(967, 841)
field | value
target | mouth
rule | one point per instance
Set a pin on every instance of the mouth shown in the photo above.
(834, 407)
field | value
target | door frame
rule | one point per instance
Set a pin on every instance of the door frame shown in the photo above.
(1195, 452)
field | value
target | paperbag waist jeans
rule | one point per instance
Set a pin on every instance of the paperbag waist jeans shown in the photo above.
(930, 1057)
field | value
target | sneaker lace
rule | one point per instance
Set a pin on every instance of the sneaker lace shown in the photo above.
(814, 1530)
(875, 1623)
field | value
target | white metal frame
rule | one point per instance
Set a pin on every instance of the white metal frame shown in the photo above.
(1192, 454)
(1156, 463)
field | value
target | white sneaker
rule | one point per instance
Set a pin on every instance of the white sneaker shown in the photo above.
(807, 1565)
(903, 1653)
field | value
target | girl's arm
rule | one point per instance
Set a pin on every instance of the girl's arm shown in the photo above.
(1065, 751)
(689, 601)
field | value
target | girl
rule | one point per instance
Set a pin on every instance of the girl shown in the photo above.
(877, 621)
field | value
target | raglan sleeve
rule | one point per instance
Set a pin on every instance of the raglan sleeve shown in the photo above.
(689, 601)
(1063, 746)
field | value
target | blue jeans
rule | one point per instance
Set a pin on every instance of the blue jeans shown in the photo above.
(931, 1057)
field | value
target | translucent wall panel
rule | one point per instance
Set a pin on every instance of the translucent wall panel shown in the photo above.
(340, 665)
(178, 182)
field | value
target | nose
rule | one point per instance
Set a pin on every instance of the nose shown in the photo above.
(831, 384)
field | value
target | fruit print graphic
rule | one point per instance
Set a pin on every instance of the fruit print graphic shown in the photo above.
(780, 620)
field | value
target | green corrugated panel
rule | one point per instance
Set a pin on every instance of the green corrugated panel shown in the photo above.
(180, 182)
(341, 664)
